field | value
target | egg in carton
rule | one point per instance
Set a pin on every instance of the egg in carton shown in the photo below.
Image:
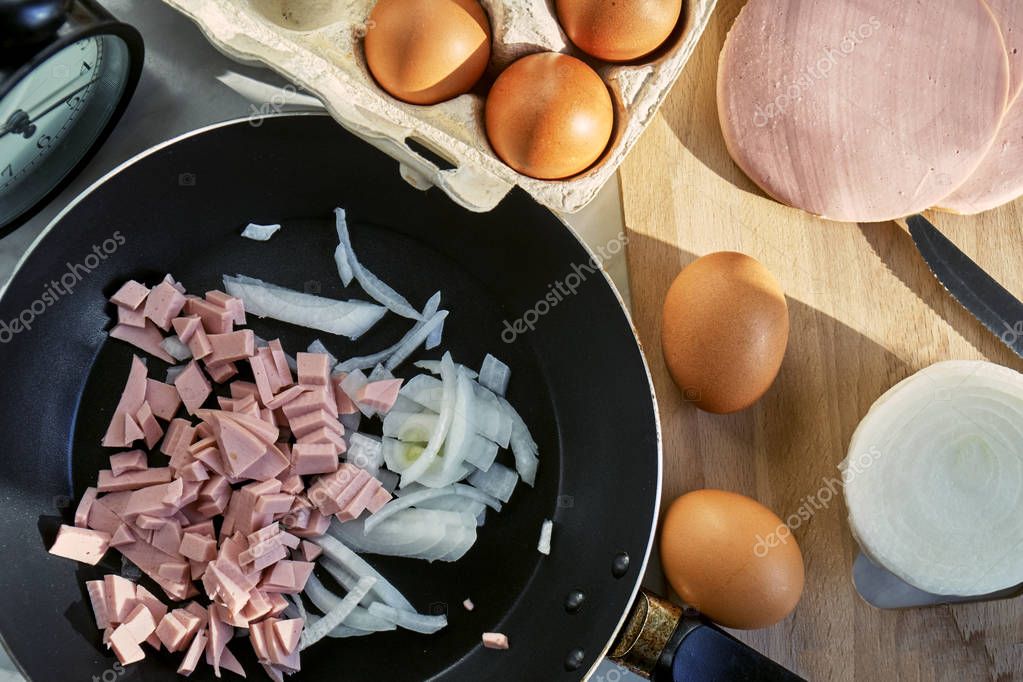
(318, 44)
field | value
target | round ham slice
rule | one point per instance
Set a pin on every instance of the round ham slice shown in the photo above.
(1009, 14)
(999, 179)
(862, 111)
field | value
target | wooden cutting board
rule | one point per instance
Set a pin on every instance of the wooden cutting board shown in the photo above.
(865, 313)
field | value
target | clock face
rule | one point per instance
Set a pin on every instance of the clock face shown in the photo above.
(52, 117)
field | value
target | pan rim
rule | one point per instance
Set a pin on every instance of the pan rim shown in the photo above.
(127, 163)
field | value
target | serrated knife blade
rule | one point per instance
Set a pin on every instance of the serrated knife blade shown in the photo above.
(970, 286)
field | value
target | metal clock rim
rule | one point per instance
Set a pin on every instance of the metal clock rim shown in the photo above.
(136, 50)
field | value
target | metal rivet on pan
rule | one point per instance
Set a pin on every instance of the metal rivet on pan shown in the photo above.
(575, 660)
(620, 566)
(574, 601)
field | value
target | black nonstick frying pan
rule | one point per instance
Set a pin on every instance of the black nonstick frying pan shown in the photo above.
(579, 380)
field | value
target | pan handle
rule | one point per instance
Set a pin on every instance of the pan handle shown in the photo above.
(661, 642)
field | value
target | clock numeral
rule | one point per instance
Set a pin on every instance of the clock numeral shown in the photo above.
(7, 172)
(86, 67)
(44, 142)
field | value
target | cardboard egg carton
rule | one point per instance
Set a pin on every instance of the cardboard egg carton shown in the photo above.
(317, 44)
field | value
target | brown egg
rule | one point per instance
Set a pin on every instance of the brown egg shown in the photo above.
(618, 31)
(724, 332)
(427, 51)
(549, 116)
(731, 558)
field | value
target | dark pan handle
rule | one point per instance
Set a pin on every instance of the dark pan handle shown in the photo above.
(660, 642)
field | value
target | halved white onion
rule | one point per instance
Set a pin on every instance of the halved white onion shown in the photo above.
(934, 479)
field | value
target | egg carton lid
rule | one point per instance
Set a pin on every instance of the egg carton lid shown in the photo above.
(320, 51)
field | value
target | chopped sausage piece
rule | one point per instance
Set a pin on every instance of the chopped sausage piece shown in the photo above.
(97, 597)
(280, 359)
(122, 536)
(164, 304)
(131, 318)
(193, 386)
(163, 399)
(123, 462)
(185, 327)
(84, 506)
(495, 640)
(235, 306)
(81, 544)
(313, 369)
(310, 550)
(314, 458)
(120, 597)
(127, 649)
(140, 623)
(379, 396)
(198, 547)
(132, 480)
(150, 427)
(220, 372)
(199, 344)
(131, 295)
(172, 632)
(215, 320)
(132, 397)
(147, 338)
(191, 659)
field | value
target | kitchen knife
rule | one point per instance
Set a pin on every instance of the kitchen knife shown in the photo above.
(974, 289)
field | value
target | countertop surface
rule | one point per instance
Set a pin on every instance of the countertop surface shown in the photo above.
(187, 84)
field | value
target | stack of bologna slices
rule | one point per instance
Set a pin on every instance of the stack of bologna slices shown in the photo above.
(259, 480)
(874, 110)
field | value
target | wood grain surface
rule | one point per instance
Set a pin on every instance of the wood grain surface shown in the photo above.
(865, 313)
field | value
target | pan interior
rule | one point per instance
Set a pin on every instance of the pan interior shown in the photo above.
(578, 380)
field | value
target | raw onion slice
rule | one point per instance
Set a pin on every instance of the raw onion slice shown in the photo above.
(433, 367)
(934, 479)
(525, 449)
(343, 631)
(260, 233)
(546, 534)
(435, 338)
(410, 427)
(424, 390)
(313, 634)
(392, 357)
(345, 579)
(411, 533)
(459, 435)
(377, 289)
(450, 378)
(401, 352)
(415, 622)
(455, 503)
(494, 375)
(356, 565)
(423, 494)
(344, 318)
(176, 349)
(499, 481)
(325, 600)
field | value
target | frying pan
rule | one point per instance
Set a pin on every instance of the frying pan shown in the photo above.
(579, 380)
